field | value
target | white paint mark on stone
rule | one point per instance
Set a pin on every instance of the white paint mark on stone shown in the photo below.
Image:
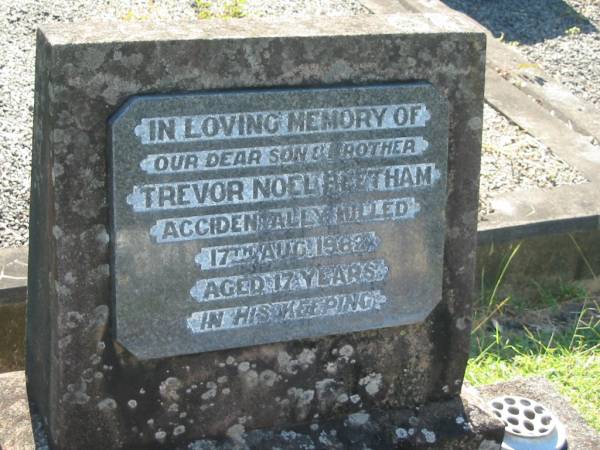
(107, 404)
(61, 289)
(342, 398)
(301, 400)
(76, 393)
(65, 341)
(160, 436)
(268, 378)
(250, 379)
(57, 171)
(288, 435)
(57, 232)
(306, 358)
(324, 439)
(372, 383)
(168, 389)
(103, 237)
(331, 368)
(358, 419)
(178, 430)
(429, 435)
(401, 433)
(236, 433)
(70, 278)
(244, 367)
(210, 393)
(346, 352)
(286, 364)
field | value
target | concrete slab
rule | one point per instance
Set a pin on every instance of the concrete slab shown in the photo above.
(22, 430)
(13, 274)
(16, 431)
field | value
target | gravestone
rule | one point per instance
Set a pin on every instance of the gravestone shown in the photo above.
(256, 234)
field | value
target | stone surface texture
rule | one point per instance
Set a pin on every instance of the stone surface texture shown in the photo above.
(153, 305)
(15, 422)
(462, 423)
(90, 391)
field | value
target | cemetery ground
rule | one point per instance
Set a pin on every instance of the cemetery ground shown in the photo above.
(548, 328)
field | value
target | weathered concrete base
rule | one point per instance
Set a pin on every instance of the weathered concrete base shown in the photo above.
(358, 431)
(12, 336)
(463, 423)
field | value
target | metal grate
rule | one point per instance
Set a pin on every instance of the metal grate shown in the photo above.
(524, 417)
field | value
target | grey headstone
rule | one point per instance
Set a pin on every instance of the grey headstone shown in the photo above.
(90, 378)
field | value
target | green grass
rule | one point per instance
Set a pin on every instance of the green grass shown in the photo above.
(539, 336)
(571, 359)
(230, 9)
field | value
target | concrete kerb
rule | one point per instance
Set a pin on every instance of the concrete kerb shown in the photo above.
(13, 275)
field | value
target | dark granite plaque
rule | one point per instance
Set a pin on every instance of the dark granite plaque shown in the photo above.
(258, 216)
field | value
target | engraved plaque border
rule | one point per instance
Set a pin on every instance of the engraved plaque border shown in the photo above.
(146, 326)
